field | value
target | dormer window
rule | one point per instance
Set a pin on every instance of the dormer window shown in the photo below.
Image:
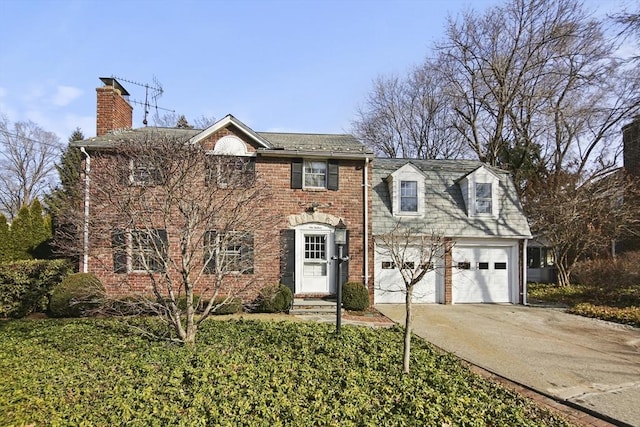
(407, 191)
(483, 198)
(481, 192)
(409, 196)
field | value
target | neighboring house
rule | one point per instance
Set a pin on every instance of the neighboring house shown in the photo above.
(317, 180)
(470, 204)
(540, 265)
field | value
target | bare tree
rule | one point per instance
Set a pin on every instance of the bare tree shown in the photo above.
(587, 220)
(172, 119)
(190, 221)
(27, 162)
(414, 254)
(407, 118)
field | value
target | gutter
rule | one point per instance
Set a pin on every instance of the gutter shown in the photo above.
(313, 154)
(85, 226)
(524, 271)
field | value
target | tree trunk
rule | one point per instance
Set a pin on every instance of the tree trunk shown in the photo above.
(407, 331)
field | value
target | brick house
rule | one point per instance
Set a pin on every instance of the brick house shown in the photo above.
(316, 182)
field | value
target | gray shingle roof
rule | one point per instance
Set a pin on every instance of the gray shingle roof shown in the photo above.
(336, 143)
(315, 142)
(445, 211)
(108, 140)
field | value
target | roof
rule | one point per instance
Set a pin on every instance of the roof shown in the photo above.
(445, 211)
(268, 143)
(315, 142)
(111, 138)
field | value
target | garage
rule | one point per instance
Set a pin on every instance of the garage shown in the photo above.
(481, 274)
(389, 287)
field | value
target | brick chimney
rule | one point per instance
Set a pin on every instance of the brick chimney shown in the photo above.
(113, 111)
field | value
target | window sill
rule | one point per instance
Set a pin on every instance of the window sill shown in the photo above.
(314, 189)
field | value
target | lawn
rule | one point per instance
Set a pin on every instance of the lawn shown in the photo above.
(242, 372)
(615, 303)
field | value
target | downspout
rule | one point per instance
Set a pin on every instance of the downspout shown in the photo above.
(524, 272)
(85, 237)
(365, 195)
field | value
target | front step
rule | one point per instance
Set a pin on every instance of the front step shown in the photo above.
(313, 306)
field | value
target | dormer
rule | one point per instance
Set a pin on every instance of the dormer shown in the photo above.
(480, 191)
(406, 189)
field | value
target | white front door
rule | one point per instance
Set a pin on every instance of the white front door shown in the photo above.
(314, 249)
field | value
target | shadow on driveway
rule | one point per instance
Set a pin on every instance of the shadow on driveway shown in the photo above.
(592, 363)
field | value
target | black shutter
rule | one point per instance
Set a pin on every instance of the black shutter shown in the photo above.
(119, 250)
(296, 173)
(332, 175)
(250, 172)
(288, 258)
(209, 245)
(161, 244)
(345, 265)
(246, 253)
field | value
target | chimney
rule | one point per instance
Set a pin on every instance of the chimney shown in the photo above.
(113, 111)
(631, 153)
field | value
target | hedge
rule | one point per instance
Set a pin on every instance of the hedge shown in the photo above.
(25, 286)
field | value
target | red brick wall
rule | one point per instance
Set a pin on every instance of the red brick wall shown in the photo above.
(113, 111)
(346, 203)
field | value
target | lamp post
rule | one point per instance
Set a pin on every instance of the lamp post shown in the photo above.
(340, 238)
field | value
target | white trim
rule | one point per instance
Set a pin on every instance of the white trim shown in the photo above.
(230, 120)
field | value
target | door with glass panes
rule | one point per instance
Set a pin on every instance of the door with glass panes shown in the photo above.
(313, 259)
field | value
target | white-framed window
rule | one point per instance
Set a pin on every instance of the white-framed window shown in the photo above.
(233, 250)
(315, 174)
(139, 250)
(144, 172)
(409, 196)
(484, 199)
(230, 171)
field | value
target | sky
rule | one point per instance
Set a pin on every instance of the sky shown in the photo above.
(276, 65)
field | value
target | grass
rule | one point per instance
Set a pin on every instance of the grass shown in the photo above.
(620, 304)
(242, 372)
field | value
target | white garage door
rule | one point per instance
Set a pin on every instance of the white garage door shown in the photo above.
(389, 287)
(480, 274)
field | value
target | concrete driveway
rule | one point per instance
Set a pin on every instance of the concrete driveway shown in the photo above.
(592, 363)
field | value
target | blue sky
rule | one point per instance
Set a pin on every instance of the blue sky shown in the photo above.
(295, 66)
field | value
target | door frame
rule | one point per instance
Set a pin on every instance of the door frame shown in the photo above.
(300, 232)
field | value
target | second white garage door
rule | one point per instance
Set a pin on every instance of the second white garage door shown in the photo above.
(481, 274)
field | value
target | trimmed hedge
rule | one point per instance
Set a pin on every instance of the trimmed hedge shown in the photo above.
(355, 296)
(25, 286)
(77, 294)
(274, 299)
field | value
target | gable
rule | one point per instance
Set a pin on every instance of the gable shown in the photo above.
(236, 127)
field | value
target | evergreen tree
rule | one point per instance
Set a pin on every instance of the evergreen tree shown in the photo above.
(5, 240)
(21, 235)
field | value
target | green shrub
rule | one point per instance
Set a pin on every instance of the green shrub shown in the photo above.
(624, 315)
(77, 294)
(355, 296)
(25, 286)
(274, 299)
(232, 306)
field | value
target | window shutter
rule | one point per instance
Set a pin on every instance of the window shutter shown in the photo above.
(209, 247)
(119, 250)
(345, 265)
(288, 258)
(246, 253)
(332, 174)
(250, 172)
(296, 173)
(160, 243)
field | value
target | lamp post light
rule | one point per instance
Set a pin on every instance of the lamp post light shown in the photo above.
(340, 239)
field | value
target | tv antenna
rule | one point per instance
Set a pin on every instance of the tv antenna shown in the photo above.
(151, 94)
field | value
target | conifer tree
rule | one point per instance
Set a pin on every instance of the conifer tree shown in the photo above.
(5, 240)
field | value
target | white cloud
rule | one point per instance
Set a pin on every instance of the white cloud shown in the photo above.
(64, 95)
